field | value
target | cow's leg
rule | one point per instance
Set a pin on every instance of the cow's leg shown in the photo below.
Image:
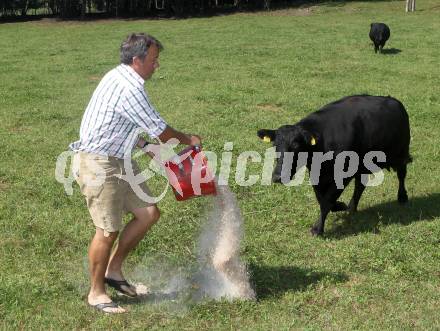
(358, 190)
(337, 205)
(326, 202)
(318, 227)
(402, 196)
(375, 48)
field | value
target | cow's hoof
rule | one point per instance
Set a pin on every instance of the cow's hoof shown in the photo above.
(316, 232)
(339, 206)
(402, 198)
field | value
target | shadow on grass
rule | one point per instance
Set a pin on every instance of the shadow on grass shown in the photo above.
(268, 281)
(391, 51)
(272, 281)
(373, 218)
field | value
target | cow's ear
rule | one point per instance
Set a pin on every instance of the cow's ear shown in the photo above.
(266, 135)
(310, 138)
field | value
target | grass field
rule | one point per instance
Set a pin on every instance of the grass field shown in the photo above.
(224, 78)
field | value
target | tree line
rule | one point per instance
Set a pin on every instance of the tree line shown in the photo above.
(71, 9)
(79, 9)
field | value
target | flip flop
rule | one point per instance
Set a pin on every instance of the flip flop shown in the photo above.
(102, 306)
(117, 285)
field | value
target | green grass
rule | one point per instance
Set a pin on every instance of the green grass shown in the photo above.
(224, 78)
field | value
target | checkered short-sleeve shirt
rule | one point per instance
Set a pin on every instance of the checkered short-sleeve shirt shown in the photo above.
(117, 110)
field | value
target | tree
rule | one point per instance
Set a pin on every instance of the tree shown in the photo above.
(410, 5)
(70, 9)
(83, 9)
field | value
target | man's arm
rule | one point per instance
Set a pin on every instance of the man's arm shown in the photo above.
(183, 138)
(170, 133)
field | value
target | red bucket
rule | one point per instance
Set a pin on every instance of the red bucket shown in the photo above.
(189, 175)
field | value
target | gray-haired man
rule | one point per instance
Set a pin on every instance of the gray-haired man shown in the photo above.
(118, 108)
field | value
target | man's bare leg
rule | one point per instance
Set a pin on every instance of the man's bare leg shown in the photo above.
(133, 233)
(99, 253)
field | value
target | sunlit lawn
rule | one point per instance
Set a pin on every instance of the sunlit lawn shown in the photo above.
(224, 78)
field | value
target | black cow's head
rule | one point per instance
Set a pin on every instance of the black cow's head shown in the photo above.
(291, 139)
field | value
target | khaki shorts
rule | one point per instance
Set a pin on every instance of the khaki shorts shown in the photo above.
(108, 196)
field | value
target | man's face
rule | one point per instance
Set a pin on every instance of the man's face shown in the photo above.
(146, 67)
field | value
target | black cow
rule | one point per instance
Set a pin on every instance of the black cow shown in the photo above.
(363, 124)
(379, 34)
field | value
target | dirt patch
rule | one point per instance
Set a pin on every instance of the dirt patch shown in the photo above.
(354, 281)
(12, 242)
(18, 129)
(4, 185)
(94, 78)
(49, 21)
(269, 107)
(302, 11)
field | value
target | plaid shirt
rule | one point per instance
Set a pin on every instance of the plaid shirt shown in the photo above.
(117, 112)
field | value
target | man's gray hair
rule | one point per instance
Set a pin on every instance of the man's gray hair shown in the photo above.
(137, 44)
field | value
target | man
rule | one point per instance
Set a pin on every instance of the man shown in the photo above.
(118, 108)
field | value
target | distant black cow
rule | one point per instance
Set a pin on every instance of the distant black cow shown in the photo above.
(379, 34)
(362, 124)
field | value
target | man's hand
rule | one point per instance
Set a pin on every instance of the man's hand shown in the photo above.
(183, 138)
(196, 140)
